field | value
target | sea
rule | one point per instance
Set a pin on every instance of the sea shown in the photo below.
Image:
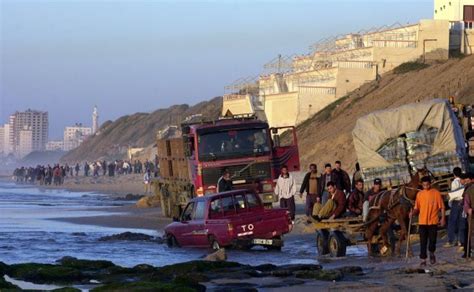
(31, 232)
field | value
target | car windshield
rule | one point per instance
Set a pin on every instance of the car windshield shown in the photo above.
(233, 144)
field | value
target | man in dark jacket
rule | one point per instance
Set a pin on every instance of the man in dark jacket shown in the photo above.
(356, 200)
(326, 177)
(342, 179)
(224, 183)
(310, 185)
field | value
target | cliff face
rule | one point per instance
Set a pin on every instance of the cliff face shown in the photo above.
(137, 130)
(327, 137)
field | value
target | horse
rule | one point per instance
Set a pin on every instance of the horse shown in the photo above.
(395, 205)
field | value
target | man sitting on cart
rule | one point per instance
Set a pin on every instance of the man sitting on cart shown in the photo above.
(369, 196)
(334, 207)
(356, 200)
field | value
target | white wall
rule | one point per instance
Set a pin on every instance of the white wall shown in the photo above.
(452, 10)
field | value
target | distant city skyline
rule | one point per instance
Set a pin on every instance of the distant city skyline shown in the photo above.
(64, 57)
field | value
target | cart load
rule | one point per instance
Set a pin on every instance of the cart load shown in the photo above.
(390, 144)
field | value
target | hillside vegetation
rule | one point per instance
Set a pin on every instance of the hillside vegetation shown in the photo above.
(137, 130)
(326, 136)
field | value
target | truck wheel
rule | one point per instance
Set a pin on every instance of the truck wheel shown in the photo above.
(275, 247)
(337, 244)
(214, 243)
(171, 241)
(322, 242)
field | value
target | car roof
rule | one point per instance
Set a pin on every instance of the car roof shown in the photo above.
(221, 195)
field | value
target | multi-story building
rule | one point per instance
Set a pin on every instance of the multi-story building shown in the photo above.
(55, 145)
(75, 135)
(7, 141)
(460, 14)
(30, 120)
(296, 88)
(290, 95)
(25, 142)
(2, 141)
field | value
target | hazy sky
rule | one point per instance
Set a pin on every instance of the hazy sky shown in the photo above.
(128, 56)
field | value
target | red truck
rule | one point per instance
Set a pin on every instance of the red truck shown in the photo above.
(193, 157)
(229, 219)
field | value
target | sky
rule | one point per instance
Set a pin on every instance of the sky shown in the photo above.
(66, 56)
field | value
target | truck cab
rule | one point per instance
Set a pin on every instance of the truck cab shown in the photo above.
(251, 151)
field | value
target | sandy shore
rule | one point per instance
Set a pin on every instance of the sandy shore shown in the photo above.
(124, 217)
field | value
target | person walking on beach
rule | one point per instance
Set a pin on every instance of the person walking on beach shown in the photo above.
(86, 169)
(285, 189)
(147, 181)
(77, 168)
(310, 185)
(428, 205)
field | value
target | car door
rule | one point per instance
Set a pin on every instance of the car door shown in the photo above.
(199, 232)
(183, 233)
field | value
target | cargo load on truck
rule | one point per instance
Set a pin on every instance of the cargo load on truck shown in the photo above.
(391, 144)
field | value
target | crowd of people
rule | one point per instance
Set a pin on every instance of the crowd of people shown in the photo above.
(332, 195)
(56, 174)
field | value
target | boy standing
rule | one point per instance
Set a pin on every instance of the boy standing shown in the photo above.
(427, 206)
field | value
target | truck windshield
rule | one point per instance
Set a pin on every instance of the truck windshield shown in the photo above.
(233, 144)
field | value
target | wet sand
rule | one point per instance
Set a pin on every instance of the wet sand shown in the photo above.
(125, 217)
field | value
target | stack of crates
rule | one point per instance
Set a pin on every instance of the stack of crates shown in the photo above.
(411, 151)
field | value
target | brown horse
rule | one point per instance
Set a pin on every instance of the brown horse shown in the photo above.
(394, 205)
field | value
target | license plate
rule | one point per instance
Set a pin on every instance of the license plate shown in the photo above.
(263, 241)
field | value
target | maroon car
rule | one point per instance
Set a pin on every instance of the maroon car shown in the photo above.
(235, 218)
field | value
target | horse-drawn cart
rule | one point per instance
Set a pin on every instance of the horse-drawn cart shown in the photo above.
(334, 236)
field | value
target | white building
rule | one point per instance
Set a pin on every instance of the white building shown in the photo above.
(95, 120)
(7, 141)
(30, 120)
(2, 141)
(55, 145)
(460, 14)
(75, 135)
(26, 141)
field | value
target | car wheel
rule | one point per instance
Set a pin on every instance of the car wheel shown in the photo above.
(171, 241)
(214, 243)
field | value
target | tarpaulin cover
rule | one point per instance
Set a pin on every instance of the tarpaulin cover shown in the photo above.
(375, 129)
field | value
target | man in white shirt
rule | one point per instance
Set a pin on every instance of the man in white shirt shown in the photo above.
(456, 204)
(285, 189)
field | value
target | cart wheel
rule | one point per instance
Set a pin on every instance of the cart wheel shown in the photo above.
(171, 241)
(322, 242)
(337, 244)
